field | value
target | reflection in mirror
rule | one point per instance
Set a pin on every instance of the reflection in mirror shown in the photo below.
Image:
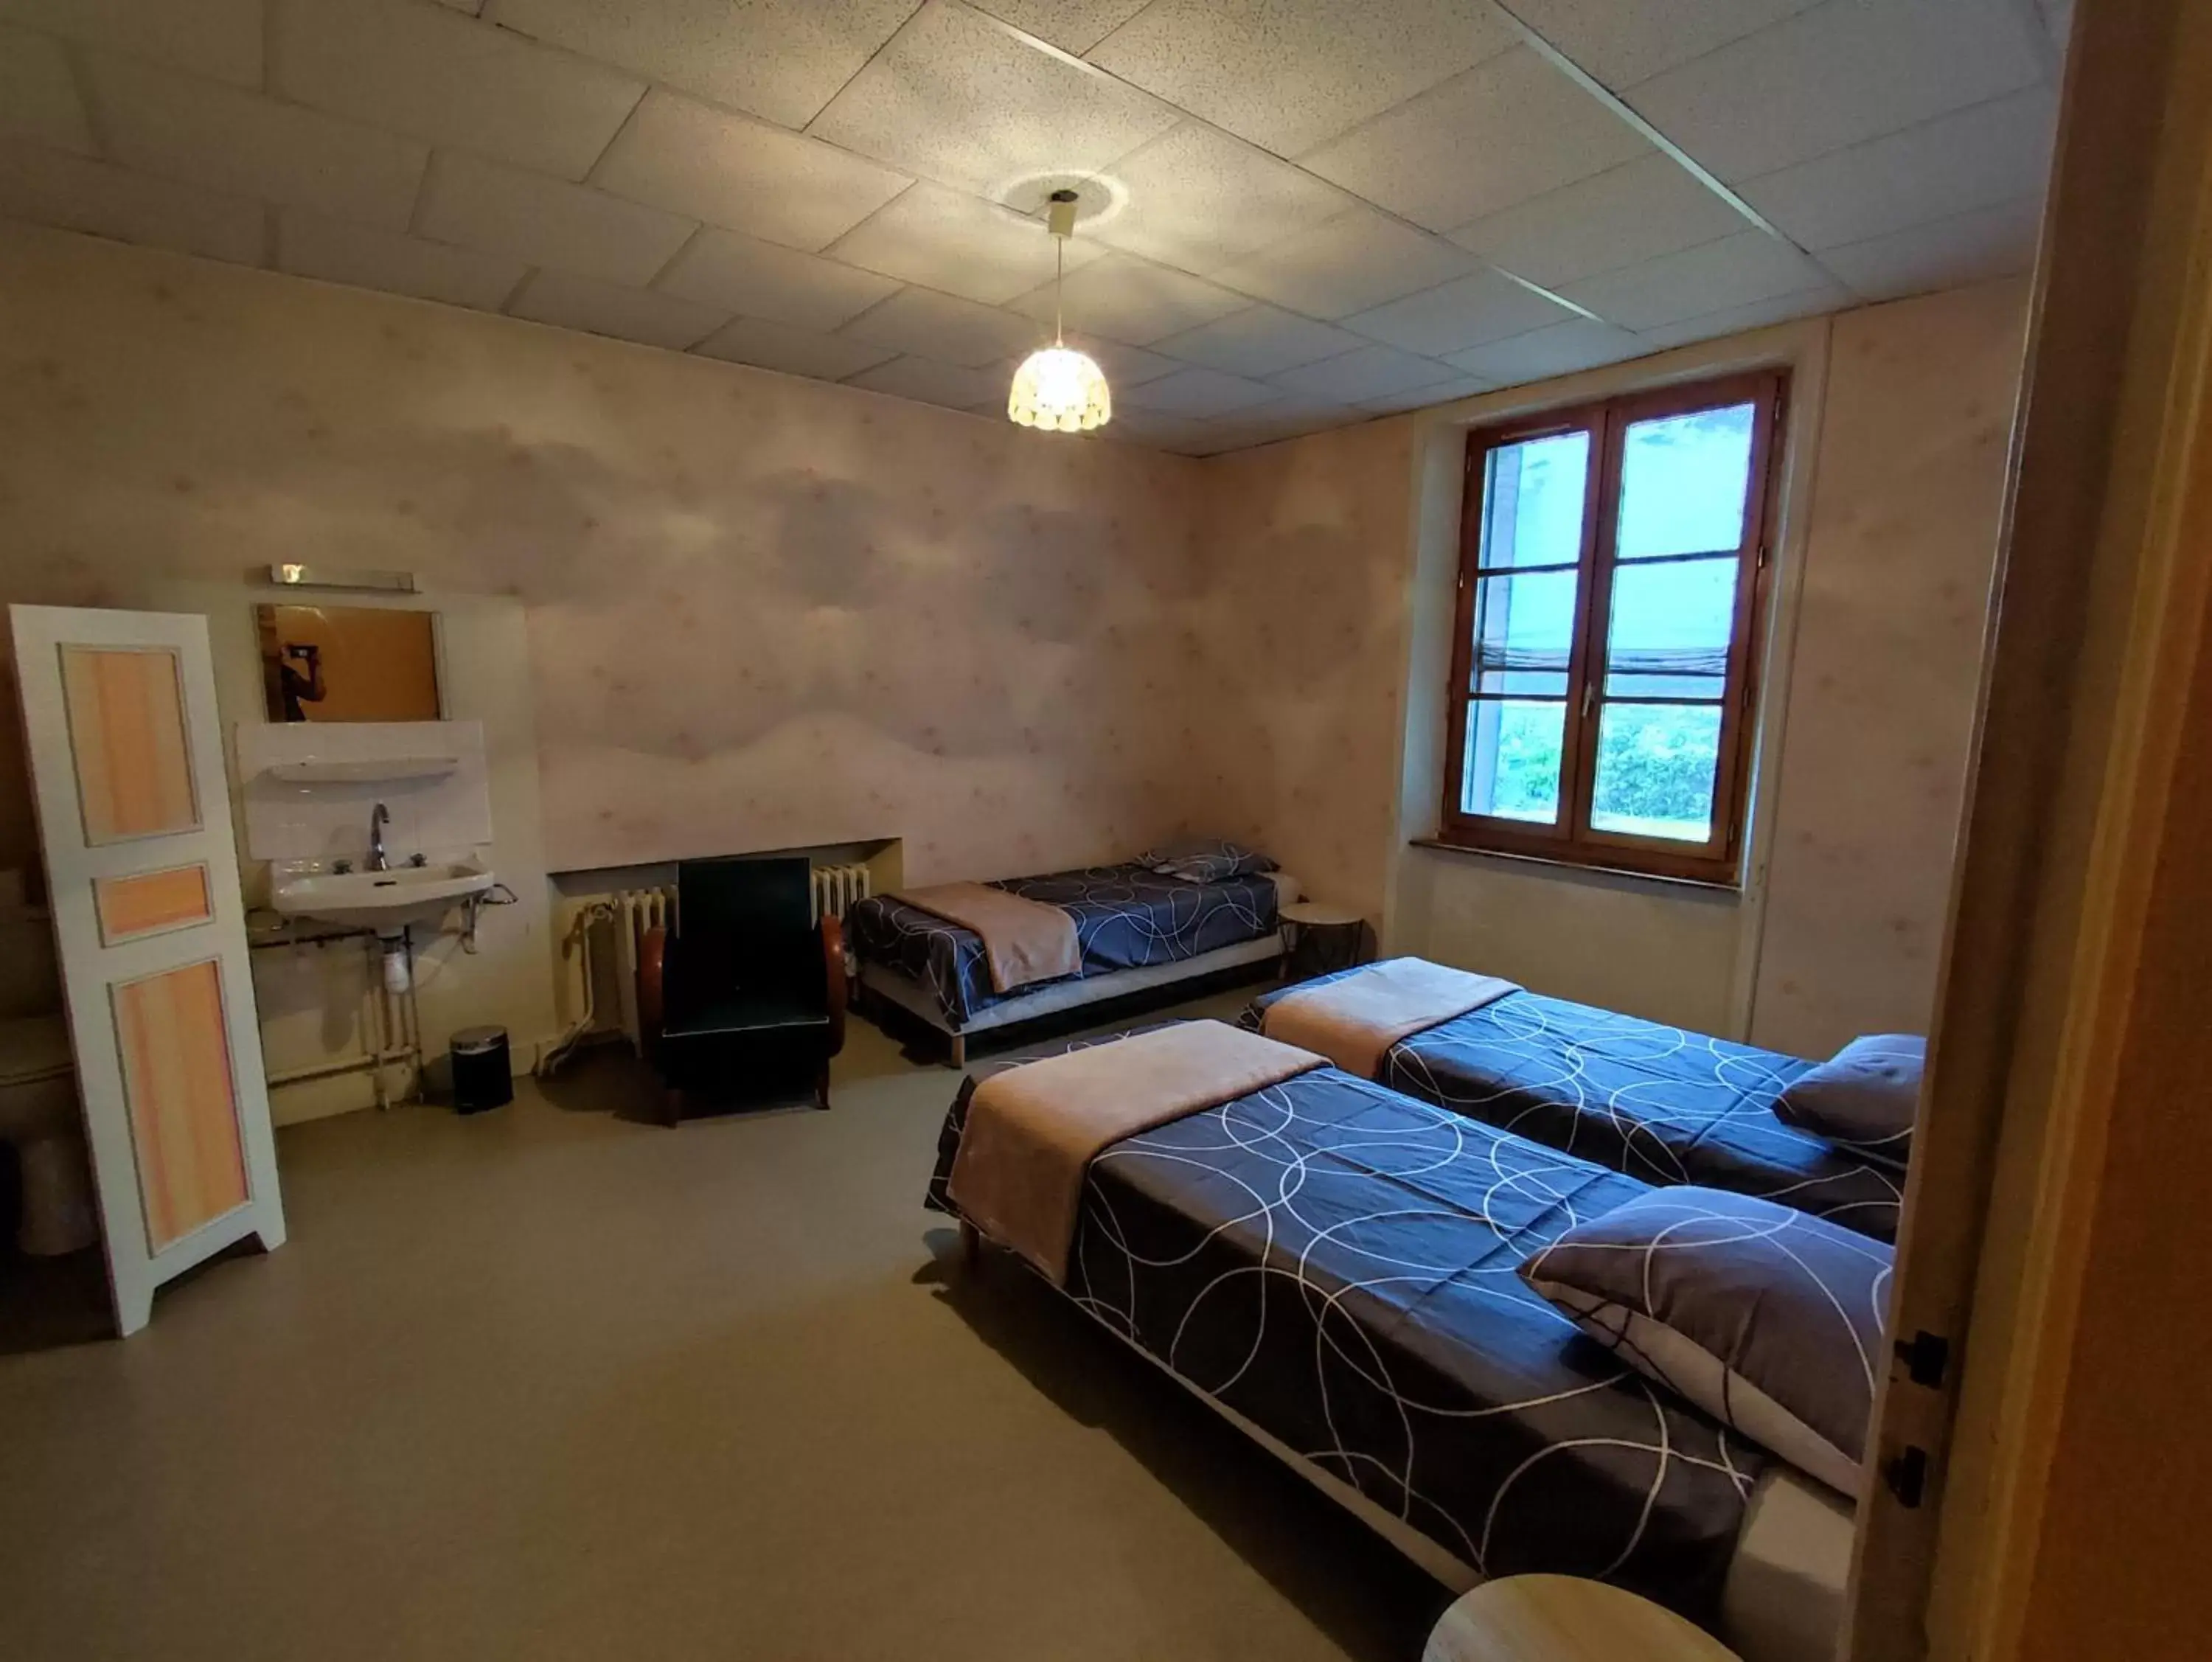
(322, 663)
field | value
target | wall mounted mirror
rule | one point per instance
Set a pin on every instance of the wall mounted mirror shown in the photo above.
(341, 663)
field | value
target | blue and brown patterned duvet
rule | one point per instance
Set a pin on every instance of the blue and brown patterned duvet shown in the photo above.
(1125, 918)
(1659, 1104)
(1337, 1264)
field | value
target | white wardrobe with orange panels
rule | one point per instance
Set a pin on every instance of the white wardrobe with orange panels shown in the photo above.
(134, 815)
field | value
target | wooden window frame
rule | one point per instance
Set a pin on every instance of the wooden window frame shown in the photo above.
(1570, 840)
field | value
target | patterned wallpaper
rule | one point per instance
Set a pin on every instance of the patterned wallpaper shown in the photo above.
(1306, 546)
(1913, 448)
(762, 611)
(766, 612)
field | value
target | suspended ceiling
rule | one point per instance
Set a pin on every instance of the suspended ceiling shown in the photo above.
(1298, 214)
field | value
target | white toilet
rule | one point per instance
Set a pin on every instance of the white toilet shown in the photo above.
(38, 1113)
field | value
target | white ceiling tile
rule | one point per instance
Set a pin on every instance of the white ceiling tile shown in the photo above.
(205, 133)
(774, 284)
(1843, 72)
(1734, 271)
(546, 221)
(1125, 366)
(221, 38)
(942, 326)
(1420, 398)
(1259, 341)
(1372, 372)
(742, 174)
(1759, 314)
(1948, 254)
(933, 382)
(1621, 45)
(1457, 315)
(1358, 260)
(1639, 211)
(948, 240)
(961, 99)
(608, 308)
(1073, 25)
(1289, 74)
(1993, 153)
(1289, 417)
(1506, 130)
(51, 187)
(1129, 300)
(314, 245)
(794, 351)
(1200, 199)
(783, 59)
(38, 95)
(1199, 392)
(440, 76)
(1560, 350)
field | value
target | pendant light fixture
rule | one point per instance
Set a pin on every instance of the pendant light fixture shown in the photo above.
(1057, 387)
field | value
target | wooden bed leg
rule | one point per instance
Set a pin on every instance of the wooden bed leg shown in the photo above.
(959, 1050)
(822, 1087)
(971, 1243)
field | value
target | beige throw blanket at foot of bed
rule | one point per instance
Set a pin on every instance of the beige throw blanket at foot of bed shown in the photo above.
(1032, 1131)
(1024, 941)
(1354, 1021)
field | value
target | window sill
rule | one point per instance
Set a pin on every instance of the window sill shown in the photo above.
(1731, 889)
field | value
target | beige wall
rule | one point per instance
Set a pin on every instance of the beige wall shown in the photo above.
(1331, 567)
(762, 611)
(1896, 589)
(767, 613)
(1303, 550)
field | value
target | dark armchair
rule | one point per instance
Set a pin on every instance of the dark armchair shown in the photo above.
(746, 998)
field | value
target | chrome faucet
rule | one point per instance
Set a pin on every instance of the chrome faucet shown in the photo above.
(377, 821)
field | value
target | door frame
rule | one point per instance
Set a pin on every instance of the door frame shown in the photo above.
(2099, 625)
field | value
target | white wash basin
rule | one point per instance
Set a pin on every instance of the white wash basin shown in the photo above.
(384, 901)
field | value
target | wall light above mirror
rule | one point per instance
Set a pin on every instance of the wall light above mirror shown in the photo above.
(334, 663)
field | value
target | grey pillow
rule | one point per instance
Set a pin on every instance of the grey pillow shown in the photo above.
(1769, 1319)
(1864, 1097)
(1205, 859)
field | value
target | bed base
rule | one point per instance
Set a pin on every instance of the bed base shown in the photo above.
(915, 999)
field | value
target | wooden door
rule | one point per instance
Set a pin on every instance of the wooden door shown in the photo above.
(134, 815)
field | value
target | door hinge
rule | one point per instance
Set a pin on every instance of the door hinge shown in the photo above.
(1766, 554)
(1906, 1476)
(1926, 1356)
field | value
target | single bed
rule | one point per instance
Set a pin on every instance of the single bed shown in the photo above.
(1332, 1266)
(1659, 1104)
(1135, 929)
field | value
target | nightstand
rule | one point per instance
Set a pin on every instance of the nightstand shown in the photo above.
(1317, 939)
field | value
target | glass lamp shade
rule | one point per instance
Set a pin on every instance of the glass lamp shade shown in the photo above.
(1061, 390)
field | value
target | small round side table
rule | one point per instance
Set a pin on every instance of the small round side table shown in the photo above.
(1319, 938)
(1563, 1618)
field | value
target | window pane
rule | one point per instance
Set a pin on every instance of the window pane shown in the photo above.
(1655, 767)
(1532, 501)
(1524, 631)
(1513, 759)
(1684, 483)
(1668, 634)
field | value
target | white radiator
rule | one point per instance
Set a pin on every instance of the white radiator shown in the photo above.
(837, 888)
(636, 911)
